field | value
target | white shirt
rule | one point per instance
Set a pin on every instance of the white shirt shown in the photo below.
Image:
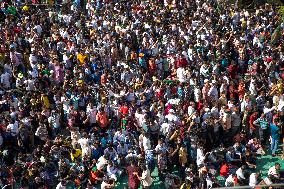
(118, 136)
(54, 121)
(240, 174)
(83, 142)
(204, 71)
(140, 118)
(105, 185)
(181, 74)
(161, 147)
(146, 143)
(102, 162)
(111, 170)
(60, 186)
(13, 128)
(92, 112)
(165, 128)
(252, 180)
(245, 105)
(30, 84)
(200, 157)
(252, 89)
(197, 94)
(272, 171)
(190, 110)
(172, 118)
(229, 181)
(13, 115)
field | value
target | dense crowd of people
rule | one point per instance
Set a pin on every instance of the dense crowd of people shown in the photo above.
(95, 91)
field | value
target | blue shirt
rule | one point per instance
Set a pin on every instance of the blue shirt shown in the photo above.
(97, 152)
(274, 132)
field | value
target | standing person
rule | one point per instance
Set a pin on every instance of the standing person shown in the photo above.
(133, 180)
(275, 135)
(146, 179)
(102, 119)
(263, 128)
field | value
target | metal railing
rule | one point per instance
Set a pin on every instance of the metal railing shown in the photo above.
(244, 187)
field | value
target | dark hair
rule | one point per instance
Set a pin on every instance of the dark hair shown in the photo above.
(144, 167)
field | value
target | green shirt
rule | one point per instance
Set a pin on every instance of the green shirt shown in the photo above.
(262, 122)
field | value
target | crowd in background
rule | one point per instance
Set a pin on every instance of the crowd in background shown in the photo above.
(92, 91)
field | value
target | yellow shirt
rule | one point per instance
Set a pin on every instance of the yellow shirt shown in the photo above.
(2, 56)
(45, 101)
(280, 88)
(76, 154)
(81, 58)
(183, 186)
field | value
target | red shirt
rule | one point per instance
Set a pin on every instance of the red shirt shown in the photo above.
(169, 106)
(181, 62)
(174, 90)
(199, 106)
(224, 170)
(102, 119)
(133, 180)
(252, 118)
(123, 110)
(159, 93)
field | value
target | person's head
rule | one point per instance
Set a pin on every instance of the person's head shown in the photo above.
(262, 115)
(257, 174)
(277, 166)
(160, 141)
(255, 141)
(144, 167)
(276, 121)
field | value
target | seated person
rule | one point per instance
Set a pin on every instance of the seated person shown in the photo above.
(239, 149)
(267, 180)
(232, 180)
(215, 159)
(232, 157)
(255, 146)
(224, 170)
(241, 175)
(254, 179)
(250, 160)
(274, 172)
